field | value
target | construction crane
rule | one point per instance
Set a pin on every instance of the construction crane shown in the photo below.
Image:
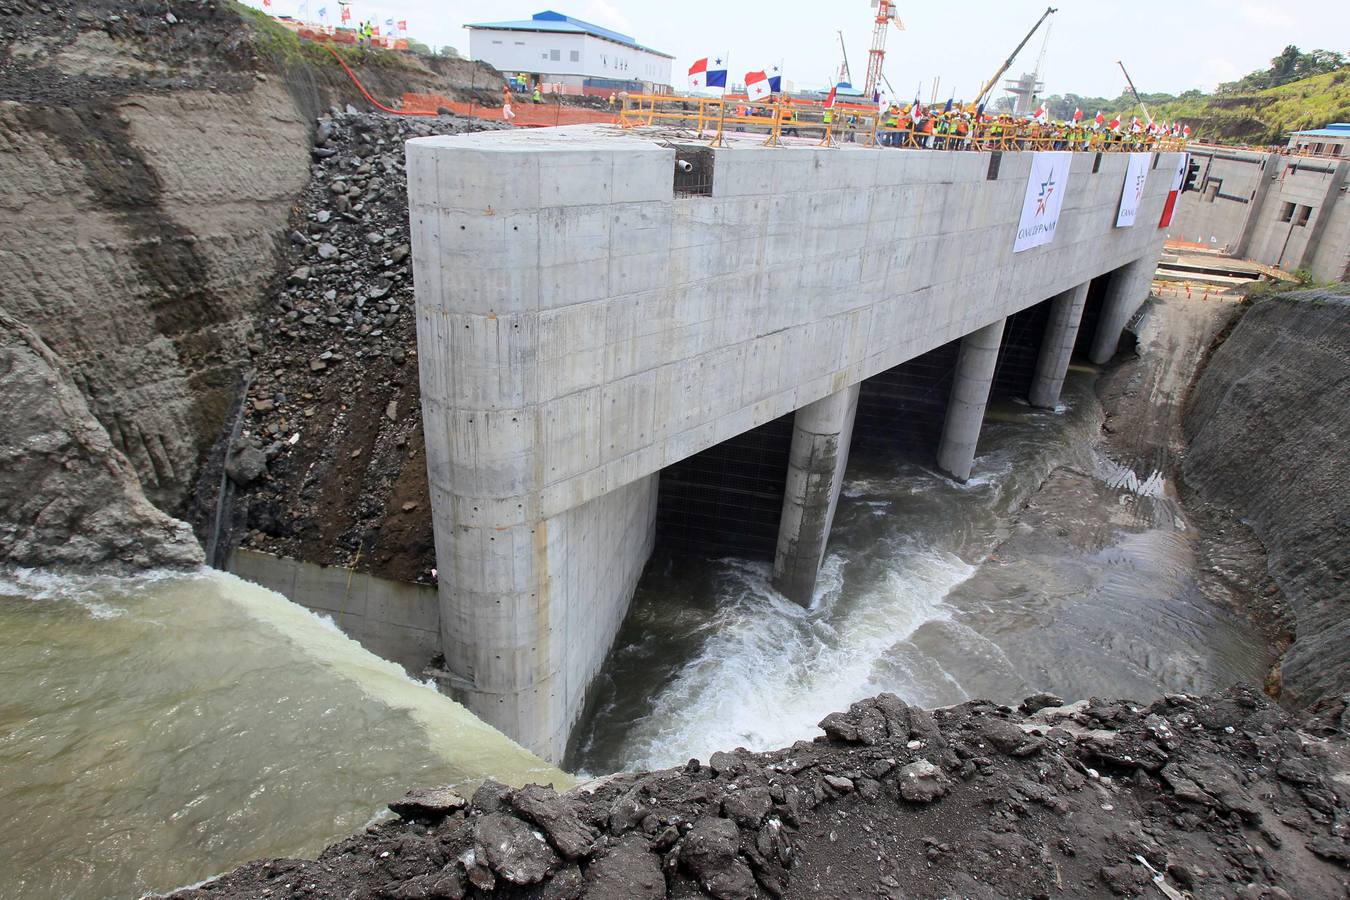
(845, 76)
(877, 55)
(1130, 82)
(1007, 64)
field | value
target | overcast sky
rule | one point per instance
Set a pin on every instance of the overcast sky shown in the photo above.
(1168, 45)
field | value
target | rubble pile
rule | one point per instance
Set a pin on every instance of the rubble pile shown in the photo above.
(1222, 796)
(329, 457)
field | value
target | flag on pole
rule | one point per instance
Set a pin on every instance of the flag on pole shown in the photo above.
(776, 81)
(389, 23)
(1100, 120)
(323, 12)
(948, 107)
(700, 75)
(829, 101)
(402, 24)
(1040, 111)
(267, 3)
(1186, 131)
(757, 85)
(1077, 114)
(1115, 124)
(346, 13)
(916, 111)
(375, 30)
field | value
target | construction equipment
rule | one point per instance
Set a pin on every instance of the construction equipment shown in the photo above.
(845, 76)
(1007, 64)
(877, 55)
(1136, 93)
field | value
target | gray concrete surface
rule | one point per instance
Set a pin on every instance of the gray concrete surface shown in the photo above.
(1052, 364)
(393, 619)
(580, 327)
(1125, 293)
(821, 435)
(970, 395)
(1251, 205)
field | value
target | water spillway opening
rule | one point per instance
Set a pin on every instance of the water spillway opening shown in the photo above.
(1023, 335)
(1092, 314)
(727, 500)
(902, 409)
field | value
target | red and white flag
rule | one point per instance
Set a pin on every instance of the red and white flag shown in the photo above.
(757, 85)
(1115, 124)
(1174, 191)
(1077, 114)
(1040, 111)
(1100, 120)
(1186, 130)
(346, 14)
(402, 24)
(829, 101)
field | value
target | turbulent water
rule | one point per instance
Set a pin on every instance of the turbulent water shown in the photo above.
(936, 591)
(159, 730)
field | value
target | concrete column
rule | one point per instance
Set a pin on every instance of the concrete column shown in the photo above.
(1321, 215)
(1267, 171)
(1066, 311)
(821, 434)
(1125, 292)
(970, 395)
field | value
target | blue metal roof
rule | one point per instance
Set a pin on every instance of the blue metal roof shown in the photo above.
(1335, 129)
(556, 22)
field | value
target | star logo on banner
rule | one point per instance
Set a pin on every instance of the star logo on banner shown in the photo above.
(1047, 190)
(718, 62)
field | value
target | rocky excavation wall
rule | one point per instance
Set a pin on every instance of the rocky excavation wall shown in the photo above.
(149, 163)
(1268, 425)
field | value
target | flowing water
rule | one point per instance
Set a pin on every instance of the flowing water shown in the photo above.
(1052, 569)
(158, 730)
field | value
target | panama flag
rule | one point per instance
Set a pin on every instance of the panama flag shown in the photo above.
(1077, 114)
(346, 14)
(757, 85)
(916, 111)
(1174, 191)
(702, 76)
(402, 24)
(323, 12)
(829, 101)
(1100, 120)
(1115, 124)
(1040, 111)
(776, 81)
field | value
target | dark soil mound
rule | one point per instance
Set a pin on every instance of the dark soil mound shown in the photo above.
(1220, 797)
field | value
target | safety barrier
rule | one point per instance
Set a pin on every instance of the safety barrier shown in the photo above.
(865, 125)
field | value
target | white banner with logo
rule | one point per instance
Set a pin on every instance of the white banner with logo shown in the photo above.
(1046, 186)
(1132, 191)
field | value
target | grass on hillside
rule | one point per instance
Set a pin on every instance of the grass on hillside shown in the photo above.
(282, 47)
(1263, 117)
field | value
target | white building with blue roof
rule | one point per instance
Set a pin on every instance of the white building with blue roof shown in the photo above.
(1332, 140)
(554, 48)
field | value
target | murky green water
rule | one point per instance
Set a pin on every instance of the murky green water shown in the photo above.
(157, 731)
(936, 591)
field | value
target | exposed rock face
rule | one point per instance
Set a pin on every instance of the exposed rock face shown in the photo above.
(68, 497)
(1218, 796)
(1269, 424)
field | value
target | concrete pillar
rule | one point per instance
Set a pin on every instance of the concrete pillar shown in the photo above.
(1125, 292)
(1066, 311)
(1321, 215)
(1267, 173)
(821, 434)
(970, 395)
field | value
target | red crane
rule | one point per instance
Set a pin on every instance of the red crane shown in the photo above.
(877, 55)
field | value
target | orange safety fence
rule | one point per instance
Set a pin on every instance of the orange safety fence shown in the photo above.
(534, 115)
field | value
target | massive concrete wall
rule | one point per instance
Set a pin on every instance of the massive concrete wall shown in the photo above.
(580, 327)
(1244, 198)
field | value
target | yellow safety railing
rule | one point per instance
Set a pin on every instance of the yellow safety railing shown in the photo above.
(866, 126)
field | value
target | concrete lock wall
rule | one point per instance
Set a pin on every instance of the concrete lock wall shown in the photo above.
(580, 327)
(1243, 207)
(393, 619)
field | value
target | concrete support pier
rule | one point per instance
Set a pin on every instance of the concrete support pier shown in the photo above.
(1066, 311)
(821, 434)
(970, 395)
(1127, 289)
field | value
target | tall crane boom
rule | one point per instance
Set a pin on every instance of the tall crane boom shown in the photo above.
(988, 85)
(877, 55)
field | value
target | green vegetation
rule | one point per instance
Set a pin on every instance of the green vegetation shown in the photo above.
(281, 47)
(1299, 90)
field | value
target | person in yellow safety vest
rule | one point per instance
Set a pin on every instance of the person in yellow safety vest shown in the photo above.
(892, 120)
(537, 96)
(612, 98)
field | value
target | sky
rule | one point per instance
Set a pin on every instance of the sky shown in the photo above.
(1167, 46)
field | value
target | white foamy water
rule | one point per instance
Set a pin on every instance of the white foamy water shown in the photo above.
(771, 669)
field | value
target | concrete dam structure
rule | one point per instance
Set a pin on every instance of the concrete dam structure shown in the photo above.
(595, 306)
